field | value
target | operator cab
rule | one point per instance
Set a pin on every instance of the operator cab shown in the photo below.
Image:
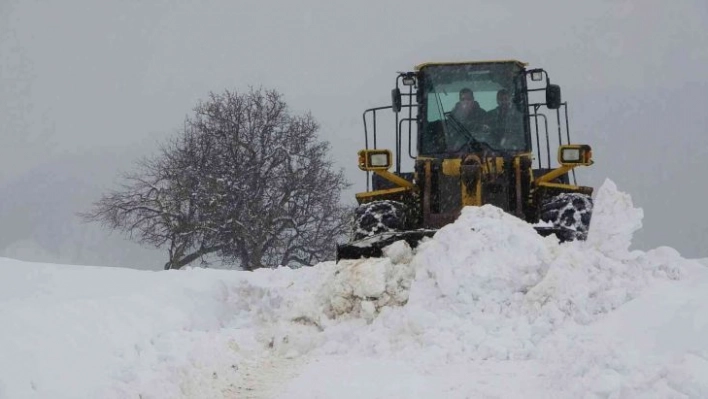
(493, 120)
(509, 115)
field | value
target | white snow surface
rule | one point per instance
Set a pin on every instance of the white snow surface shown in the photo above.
(485, 309)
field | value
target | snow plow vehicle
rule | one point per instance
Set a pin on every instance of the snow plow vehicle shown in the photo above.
(475, 133)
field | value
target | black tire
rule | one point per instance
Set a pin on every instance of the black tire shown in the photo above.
(570, 211)
(378, 217)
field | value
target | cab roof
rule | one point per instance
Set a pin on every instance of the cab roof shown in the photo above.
(427, 64)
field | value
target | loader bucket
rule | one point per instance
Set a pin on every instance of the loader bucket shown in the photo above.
(372, 247)
(564, 234)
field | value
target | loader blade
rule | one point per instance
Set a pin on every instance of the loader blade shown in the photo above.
(564, 234)
(372, 247)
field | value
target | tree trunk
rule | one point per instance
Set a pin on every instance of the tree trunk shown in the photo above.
(184, 261)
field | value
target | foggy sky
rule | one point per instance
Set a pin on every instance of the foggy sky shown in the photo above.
(87, 87)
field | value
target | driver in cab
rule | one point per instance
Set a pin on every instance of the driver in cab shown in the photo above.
(467, 118)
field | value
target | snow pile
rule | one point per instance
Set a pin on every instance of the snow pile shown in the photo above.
(484, 302)
(488, 286)
(614, 221)
(470, 281)
(361, 288)
(483, 259)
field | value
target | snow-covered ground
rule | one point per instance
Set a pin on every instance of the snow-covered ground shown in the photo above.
(485, 309)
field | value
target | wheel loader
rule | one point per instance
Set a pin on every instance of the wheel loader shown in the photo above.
(472, 133)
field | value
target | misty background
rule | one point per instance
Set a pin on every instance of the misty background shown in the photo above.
(86, 88)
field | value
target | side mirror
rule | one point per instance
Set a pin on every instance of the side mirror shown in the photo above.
(396, 100)
(553, 96)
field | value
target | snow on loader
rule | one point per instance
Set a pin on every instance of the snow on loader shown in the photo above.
(481, 134)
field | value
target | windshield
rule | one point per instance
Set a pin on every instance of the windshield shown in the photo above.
(469, 105)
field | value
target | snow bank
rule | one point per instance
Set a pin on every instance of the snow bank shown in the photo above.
(484, 302)
(87, 332)
(489, 289)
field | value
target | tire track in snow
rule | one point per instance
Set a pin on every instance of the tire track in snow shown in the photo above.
(263, 377)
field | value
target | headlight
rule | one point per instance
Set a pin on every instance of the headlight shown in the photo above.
(570, 155)
(378, 160)
(580, 154)
(374, 159)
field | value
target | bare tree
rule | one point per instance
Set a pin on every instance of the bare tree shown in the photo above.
(245, 180)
